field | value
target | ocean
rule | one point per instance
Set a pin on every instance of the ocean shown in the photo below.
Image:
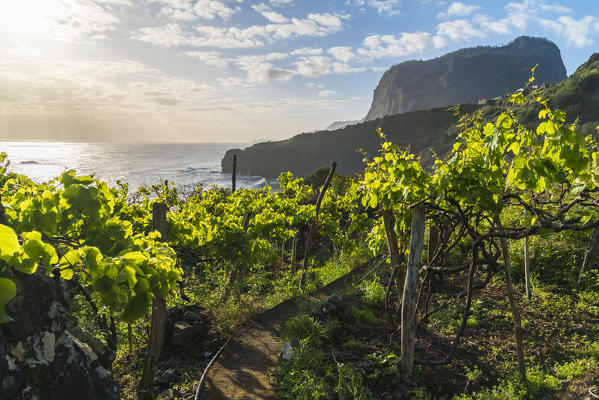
(183, 164)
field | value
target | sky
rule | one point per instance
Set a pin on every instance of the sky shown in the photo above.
(238, 70)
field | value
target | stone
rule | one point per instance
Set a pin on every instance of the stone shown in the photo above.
(183, 333)
(191, 316)
(166, 394)
(105, 355)
(288, 349)
(167, 377)
(333, 306)
(39, 357)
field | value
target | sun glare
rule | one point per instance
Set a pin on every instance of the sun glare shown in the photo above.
(30, 17)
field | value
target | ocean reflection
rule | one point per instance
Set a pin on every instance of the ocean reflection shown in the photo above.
(184, 164)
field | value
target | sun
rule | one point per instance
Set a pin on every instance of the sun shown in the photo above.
(26, 18)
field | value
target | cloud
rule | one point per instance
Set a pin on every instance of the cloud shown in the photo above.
(405, 43)
(232, 37)
(213, 58)
(275, 17)
(124, 3)
(280, 2)
(556, 8)
(260, 69)
(162, 36)
(71, 99)
(72, 20)
(378, 46)
(185, 10)
(269, 14)
(458, 30)
(230, 82)
(381, 6)
(307, 51)
(457, 9)
(66, 86)
(326, 93)
(576, 32)
(314, 66)
(501, 26)
(519, 14)
(342, 53)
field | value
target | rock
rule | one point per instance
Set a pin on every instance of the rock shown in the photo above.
(105, 355)
(167, 377)
(191, 316)
(187, 325)
(183, 333)
(334, 306)
(166, 394)
(466, 76)
(39, 356)
(288, 349)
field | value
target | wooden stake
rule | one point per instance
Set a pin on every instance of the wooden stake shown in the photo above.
(591, 253)
(158, 316)
(326, 184)
(513, 303)
(526, 264)
(130, 337)
(397, 273)
(408, 305)
(233, 175)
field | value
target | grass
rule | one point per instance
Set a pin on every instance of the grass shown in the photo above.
(561, 347)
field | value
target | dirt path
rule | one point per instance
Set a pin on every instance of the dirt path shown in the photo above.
(241, 372)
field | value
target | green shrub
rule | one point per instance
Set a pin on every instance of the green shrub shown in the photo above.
(362, 320)
(349, 385)
(574, 369)
(304, 327)
(373, 292)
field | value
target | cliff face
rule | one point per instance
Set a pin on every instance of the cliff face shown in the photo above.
(465, 76)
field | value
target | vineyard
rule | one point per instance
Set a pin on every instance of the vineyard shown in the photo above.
(508, 211)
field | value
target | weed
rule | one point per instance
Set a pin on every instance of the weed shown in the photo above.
(373, 292)
(304, 327)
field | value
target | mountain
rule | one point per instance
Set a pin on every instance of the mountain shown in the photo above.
(341, 124)
(425, 131)
(465, 76)
(304, 153)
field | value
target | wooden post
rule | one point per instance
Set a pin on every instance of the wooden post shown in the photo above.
(408, 305)
(130, 337)
(294, 250)
(3, 219)
(326, 184)
(159, 219)
(433, 242)
(397, 275)
(526, 264)
(513, 304)
(233, 175)
(158, 316)
(591, 253)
